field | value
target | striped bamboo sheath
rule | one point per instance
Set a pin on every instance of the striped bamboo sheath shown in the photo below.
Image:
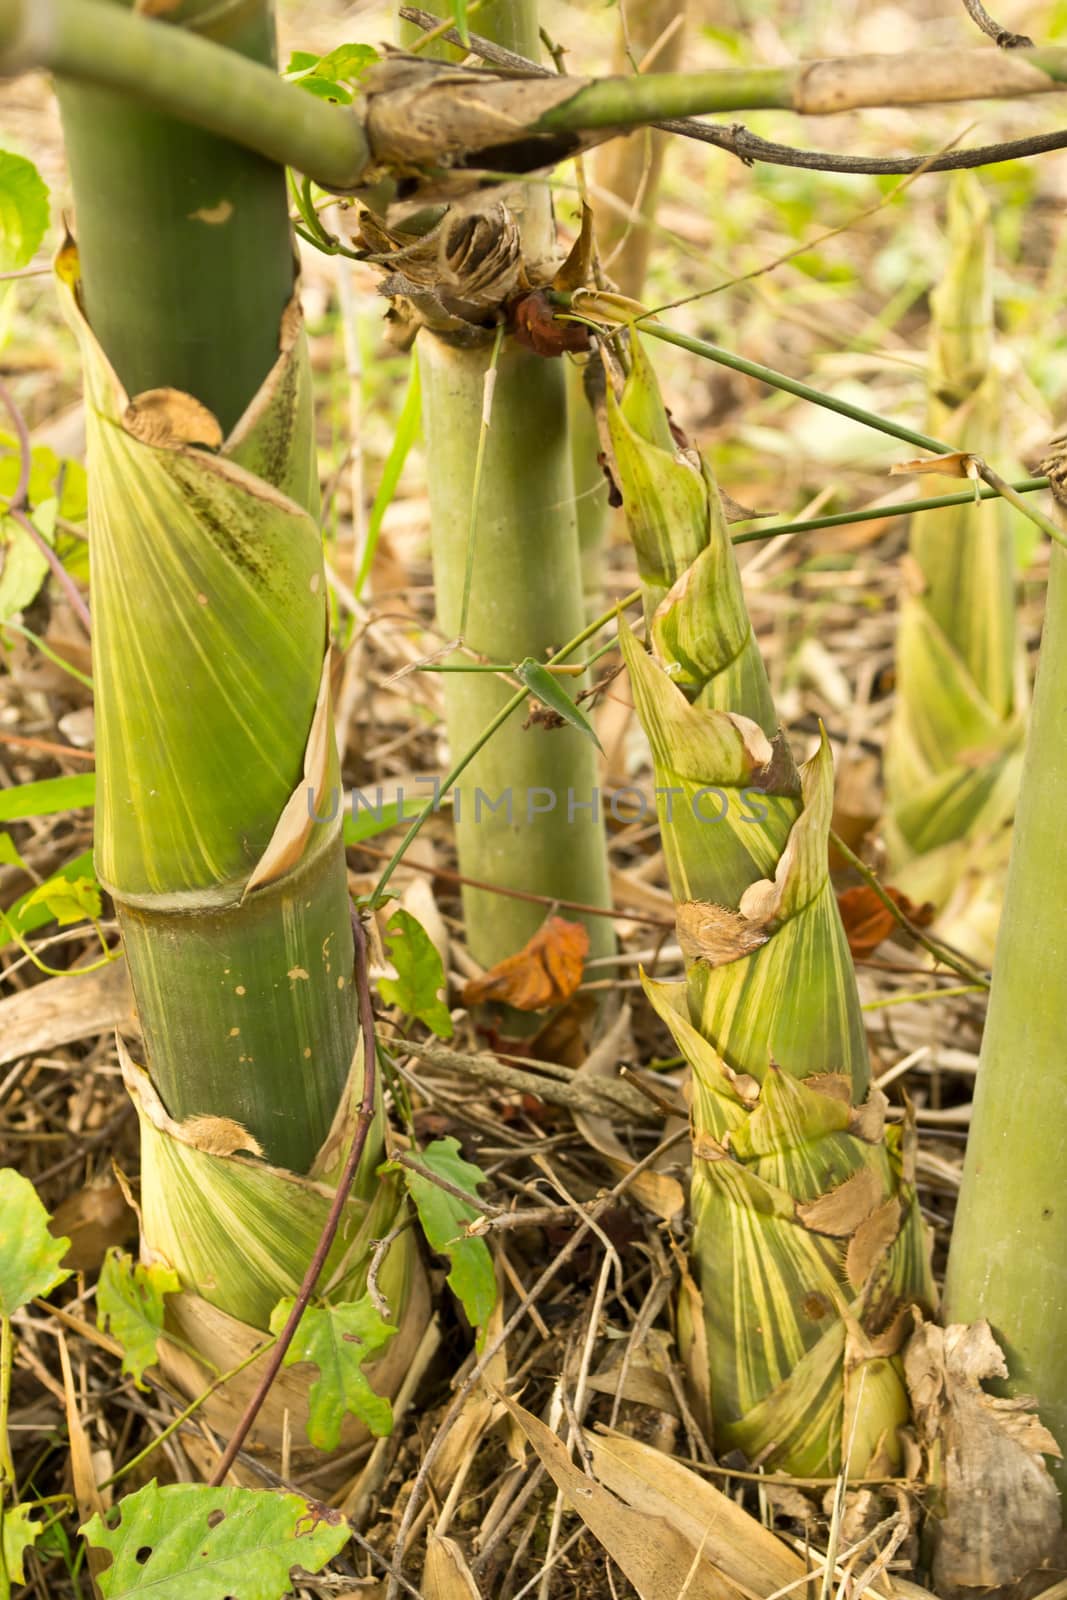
(808, 1247)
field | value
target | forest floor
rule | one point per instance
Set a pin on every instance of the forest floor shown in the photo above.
(825, 277)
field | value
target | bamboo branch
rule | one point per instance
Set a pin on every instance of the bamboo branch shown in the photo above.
(749, 147)
(183, 75)
(478, 118)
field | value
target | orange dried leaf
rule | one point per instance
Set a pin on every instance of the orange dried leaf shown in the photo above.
(545, 972)
(955, 464)
(867, 921)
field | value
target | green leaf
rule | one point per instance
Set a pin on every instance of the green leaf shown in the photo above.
(348, 61)
(551, 693)
(325, 89)
(48, 797)
(129, 1305)
(9, 856)
(187, 1541)
(378, 819)
(322, 75)
(50, 477)
(404, 435)
(23, 211)
(301, 61)
(68, 899)
(338, 1340)
(23, 568)
(459, 15)
(420, 974)
(28, 918)
(17, 1535)
(444, 1218)
(29, 1256)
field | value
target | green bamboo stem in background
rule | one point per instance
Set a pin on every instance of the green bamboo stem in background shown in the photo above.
(954, 751)
(629, 169)
(1008, 1257)
(525, 597)
(208, 646)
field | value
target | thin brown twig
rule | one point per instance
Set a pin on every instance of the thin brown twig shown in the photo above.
(447, 875)
(940, 952)
(45, 746)
(364, 1118)
(993, 30)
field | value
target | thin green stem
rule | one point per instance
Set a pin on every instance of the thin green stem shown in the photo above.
(925, 994)
(803, 391)
(1046, 524)
(934, 947)
(900, 508)
(569, 670)
(183, 1416)
(48, 652)
(498, 721)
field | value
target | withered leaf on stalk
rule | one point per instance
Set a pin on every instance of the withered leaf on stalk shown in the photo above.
(868, 921)
(1000, 1509)
(545, 972)
(716, 934)
(954, 464)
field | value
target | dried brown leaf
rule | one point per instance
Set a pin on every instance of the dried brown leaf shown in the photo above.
(446, 1575)
(61, 1010)
(734, 1544)
(89, 1498)
(93, 1218)
(169, 417)
(659, 1560)
(657, 1191)
(841, 1211)
(716, 934)
(1000, 1516)
(870, 1242)
(868, 920)
(545, 972)
(954, 464)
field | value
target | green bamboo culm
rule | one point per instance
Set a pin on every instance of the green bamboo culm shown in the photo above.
(1008, 1256)
(525, 596)
(955, 747)
(218, 823)
(808, 1244)
(209, 591)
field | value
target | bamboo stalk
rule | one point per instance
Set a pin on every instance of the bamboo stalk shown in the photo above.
(630, 168)
(195, 762)
(1008, 1259)
(176, 215)
(524, 596)
(218, 823)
